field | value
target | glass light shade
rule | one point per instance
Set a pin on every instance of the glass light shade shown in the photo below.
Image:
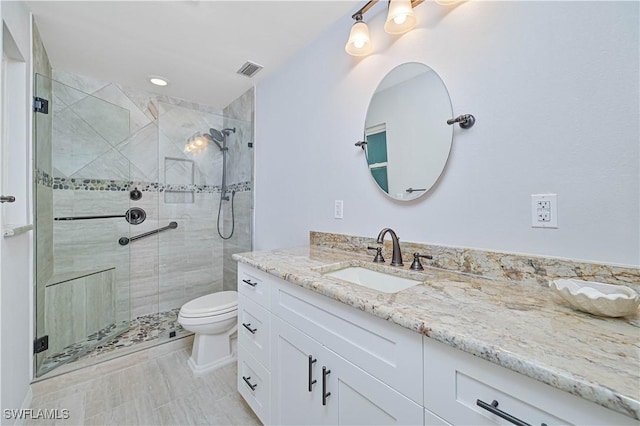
(400, 18)
(359, 43)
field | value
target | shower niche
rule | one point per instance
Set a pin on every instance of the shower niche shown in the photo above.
(179, 179)
(100, 143)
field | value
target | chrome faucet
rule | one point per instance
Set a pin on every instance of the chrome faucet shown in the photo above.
(397, 255)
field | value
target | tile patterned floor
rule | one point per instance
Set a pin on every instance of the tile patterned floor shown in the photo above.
(151, 387)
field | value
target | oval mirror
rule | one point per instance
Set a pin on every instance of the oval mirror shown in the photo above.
(408, 138)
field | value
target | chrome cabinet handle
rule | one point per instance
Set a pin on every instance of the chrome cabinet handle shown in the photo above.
(493, 408)
(7, 199)
(311, 382)
(250, 283)
(246, 380)
(248, 327)
(325, 394)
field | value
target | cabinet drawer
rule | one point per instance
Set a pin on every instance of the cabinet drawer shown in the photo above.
(254, 384)
(457, 383)
(387, 351)
(255, 284)
(254, 329)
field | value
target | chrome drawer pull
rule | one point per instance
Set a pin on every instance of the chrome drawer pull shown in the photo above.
(325, 394)
(246, 380)
(250, 283)
(311, 382)
(493, 408)
(248, 327)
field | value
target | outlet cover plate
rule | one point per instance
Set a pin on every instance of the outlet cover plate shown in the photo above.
(544, 210)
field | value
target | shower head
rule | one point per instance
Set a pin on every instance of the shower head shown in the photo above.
(219, 136)
(216, 135)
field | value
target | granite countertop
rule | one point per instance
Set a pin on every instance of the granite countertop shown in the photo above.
(523, 327)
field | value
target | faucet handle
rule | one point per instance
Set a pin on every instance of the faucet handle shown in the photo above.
(416, 265)
(378, 258)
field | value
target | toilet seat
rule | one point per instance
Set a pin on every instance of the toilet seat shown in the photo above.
(214, 304)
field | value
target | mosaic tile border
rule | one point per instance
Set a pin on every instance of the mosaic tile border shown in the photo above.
(43, 178)
(492, 264)
(81, 184)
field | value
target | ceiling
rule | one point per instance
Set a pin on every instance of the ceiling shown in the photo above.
(197, 45)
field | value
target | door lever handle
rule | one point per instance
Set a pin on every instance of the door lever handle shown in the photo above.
(7, 199)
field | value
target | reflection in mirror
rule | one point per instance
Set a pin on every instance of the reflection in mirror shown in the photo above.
(408, 138)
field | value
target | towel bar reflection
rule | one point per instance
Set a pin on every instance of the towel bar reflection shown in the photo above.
(410, 190)
(124, 240)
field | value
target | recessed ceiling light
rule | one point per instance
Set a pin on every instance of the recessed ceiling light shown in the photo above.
(158, 81)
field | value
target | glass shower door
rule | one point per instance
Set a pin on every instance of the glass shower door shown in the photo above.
(82, 199)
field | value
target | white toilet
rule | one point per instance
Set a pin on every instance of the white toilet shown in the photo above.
(214, 320)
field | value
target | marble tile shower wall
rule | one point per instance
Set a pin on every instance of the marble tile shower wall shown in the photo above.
(94, 168)
(240, 166)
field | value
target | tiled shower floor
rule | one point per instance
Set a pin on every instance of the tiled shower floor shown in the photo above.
(139, 333)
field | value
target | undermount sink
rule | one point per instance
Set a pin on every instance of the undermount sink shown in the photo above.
(375, 280)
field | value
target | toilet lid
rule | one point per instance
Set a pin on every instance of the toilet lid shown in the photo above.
(211, 304)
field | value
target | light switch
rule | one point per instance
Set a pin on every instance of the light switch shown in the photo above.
(338, 209)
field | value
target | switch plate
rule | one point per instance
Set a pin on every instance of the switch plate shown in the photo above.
(544, 211)
(338, 209)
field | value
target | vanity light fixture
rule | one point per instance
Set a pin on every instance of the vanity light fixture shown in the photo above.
(400, 19)
(359, 43)
(158, 81)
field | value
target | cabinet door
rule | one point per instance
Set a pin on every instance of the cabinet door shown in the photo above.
(296, 387)
(357, 398)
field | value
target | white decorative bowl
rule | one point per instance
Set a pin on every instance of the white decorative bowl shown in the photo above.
(597, 298)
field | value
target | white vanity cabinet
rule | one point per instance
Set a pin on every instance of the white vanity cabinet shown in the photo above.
(464, 389)
(304, 358)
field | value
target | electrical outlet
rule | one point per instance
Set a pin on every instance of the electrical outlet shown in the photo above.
(338, 209)
(543, 204)
(544, 211)
(544, 216)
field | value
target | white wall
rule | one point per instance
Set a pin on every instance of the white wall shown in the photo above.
(17, 275)
(554, 88)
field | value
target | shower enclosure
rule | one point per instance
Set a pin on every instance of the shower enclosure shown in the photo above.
(127, 215)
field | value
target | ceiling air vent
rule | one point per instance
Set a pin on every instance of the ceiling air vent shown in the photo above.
(249, 69)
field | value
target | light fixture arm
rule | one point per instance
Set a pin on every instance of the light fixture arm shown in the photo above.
(364, 9)
(358, 15)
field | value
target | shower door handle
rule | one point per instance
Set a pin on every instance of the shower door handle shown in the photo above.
(7, 199)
